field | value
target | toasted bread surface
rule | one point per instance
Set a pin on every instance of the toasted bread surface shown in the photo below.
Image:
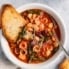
(12, 22)
(64, 64)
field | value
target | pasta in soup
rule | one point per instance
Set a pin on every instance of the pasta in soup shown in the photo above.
(39, 39)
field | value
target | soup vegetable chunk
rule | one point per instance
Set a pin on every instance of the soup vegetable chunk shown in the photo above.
(39, 38)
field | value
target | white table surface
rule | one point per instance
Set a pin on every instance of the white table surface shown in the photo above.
(61, 6)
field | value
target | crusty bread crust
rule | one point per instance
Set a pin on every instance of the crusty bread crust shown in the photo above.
(64, 64)
(12, 22)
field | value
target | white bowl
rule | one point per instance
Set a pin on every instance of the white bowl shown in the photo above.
(56, 16)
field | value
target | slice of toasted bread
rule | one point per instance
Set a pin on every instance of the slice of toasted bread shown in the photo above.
(12, 22)
(64, 64)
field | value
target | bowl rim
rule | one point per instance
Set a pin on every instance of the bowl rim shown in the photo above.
(16, 61)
